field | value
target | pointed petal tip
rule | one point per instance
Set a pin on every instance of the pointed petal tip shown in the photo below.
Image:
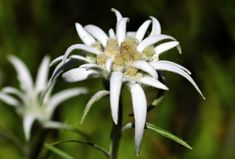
(203, 97)
(115, 90)
(81, 122)
(113, 9)
(137, 151)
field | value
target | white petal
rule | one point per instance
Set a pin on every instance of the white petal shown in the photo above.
(117, 13)
(90, 66)
(146, 67)
(152, 40)
(14, 91)
(84, 36)
(131, 34)
(77, 74)
(179, 49)
(165, 47)
(111, 33)
(175, 69)
(177, 65)
(139, 103)
(62, 64)
(108, 64)
(8, 99)
(115, 90)
(76, 57)
(42, 75)
(56, 60)
(121, 30)
(153, 82)
(62, 96)
(156, 27)
(91, 102)
(97, 33)
(55, 125)
(85, 48)
(24, 76)
(27, 125)
(142, 30)
(56, 72)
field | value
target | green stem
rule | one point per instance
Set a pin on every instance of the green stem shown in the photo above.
(37, 144)
(116, 135)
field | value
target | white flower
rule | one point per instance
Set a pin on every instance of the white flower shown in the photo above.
(29, 101)
(123, 57)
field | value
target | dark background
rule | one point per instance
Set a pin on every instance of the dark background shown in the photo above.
(206, 31)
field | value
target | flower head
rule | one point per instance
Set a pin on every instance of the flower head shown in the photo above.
(124, 57)
(29, 101)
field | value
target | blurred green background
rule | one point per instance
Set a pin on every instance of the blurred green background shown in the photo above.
(206, 31)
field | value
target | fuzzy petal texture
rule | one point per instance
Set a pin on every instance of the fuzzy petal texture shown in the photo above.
(175, 64)
(117, 13)
(142, 30)
(111, 33)
(42, 75)
(83, 47)
(75, 57)
(115, 90)
(146, 67)
(153, 82)
(9, 100)
(175, 69)
(84, 36)
(152, 40)
(139, 103)
(97, 33)
(23, 74)
(90, 66)
(131, 34)
(156, 27)
(165, 47)
(28, 121)
(108, 64)
(13, 91)
(121, 30)
(62, 96)
(77, 74)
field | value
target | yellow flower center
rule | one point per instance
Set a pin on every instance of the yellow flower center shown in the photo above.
(123, 55)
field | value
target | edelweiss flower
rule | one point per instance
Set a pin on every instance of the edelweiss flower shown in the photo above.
(28, 101)
(124, 57)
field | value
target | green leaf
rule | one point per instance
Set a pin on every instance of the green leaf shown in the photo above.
(58, 152)
(93, 99)
(97, 147)
(167, 134)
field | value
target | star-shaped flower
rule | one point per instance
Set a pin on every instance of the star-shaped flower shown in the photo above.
(122, 57)
(29, 101)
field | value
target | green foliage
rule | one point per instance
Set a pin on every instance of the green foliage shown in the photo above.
(205, 29)
(167, 134)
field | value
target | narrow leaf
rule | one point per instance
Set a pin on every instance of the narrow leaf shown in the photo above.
(58, 152)
(90, 103)
(95, 146)
(167, 135)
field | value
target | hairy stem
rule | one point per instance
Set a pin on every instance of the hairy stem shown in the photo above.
(37, 144)
(116, 135)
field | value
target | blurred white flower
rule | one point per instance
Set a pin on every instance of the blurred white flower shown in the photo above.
(123, 57)
(29, 101)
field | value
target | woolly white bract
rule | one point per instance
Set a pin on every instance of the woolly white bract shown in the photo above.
(29, 101)
(122, 57)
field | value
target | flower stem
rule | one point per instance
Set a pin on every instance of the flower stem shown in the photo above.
(116, 135)
(37, 144)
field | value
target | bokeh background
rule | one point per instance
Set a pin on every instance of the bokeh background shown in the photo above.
(206, 31)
